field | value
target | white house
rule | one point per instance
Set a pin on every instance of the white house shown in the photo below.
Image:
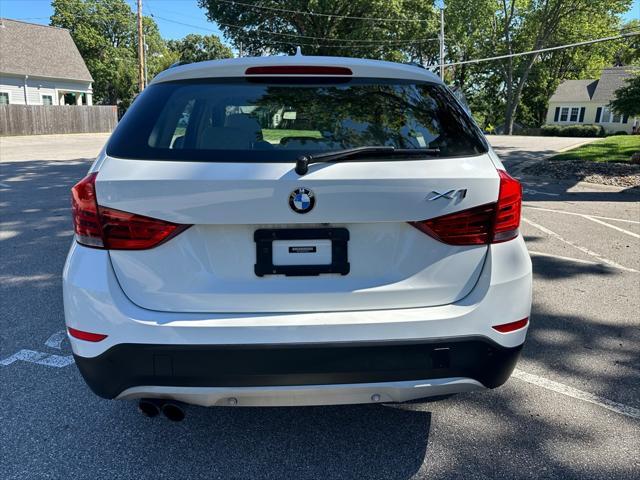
(587, 101)
(41, 65)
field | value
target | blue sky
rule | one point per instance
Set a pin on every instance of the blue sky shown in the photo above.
(176, 12)
(176, 18)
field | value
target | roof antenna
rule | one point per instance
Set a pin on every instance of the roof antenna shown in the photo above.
(298, 51)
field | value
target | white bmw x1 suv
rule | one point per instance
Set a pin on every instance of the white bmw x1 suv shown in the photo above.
(296, 231)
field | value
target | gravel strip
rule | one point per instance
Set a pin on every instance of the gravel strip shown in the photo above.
(618, 174)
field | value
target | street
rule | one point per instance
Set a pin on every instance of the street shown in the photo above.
(571, 410)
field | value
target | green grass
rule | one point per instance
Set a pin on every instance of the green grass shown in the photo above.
(618, 148)
(275, 135)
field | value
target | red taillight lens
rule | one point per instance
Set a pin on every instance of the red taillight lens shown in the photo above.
(86, 336)
(492, 223)
(102, 227)
(84, 209)
(512, 326)
(469, 227)
(508, 211)
(298, 70)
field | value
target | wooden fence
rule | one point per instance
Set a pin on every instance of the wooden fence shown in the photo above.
(49, 119)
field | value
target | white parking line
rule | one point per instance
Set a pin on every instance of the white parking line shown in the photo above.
(617, 407)
(633, 234)
(581, 214)
(538, 192)
(582, 249)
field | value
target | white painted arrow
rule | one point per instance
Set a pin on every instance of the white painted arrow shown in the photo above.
(55, 340)
(32, 356)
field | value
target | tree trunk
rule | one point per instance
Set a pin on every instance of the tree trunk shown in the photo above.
(509, 115)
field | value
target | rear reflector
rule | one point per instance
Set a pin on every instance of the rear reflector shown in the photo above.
(86, 336)
(297, 70)
(101, 227)
(511, 327)
(491, 223)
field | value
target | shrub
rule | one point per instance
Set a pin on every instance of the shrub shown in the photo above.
(572, 130)
(620, 132)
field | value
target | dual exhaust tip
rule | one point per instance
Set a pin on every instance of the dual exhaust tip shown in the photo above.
(150, 407)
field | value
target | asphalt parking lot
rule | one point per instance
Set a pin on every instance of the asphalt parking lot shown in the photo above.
(572, 409)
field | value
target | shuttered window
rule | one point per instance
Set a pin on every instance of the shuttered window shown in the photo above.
(610, 117)
(564, 114)
(575, 111)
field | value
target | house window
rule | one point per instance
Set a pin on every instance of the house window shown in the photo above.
(564, 114)
(4, 98)
(610, 117)
(569, 114)
(575, 112)
(47, 100)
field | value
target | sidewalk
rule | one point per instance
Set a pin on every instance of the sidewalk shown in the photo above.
(51, 147)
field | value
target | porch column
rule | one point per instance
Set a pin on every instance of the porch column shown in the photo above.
(89, 99)
(78, 98)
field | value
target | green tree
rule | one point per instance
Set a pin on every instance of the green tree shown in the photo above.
(554, 67)
(535, 24)
(198, 48)
(627, 101)
(329, 35)
(105, 33)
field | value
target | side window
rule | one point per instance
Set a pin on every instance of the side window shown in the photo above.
(4, 98)
(47, 100)
(564, 114)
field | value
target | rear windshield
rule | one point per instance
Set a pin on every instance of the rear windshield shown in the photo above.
(277, 120)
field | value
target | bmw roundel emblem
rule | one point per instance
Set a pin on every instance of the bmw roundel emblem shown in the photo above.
(302, 200)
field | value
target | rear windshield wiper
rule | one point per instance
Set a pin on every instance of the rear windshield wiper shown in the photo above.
(303, 162)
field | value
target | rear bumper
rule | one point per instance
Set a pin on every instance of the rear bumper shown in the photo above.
(248, 371)
(296, 358)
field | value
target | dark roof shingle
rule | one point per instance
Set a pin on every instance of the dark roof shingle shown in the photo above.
(40, 51)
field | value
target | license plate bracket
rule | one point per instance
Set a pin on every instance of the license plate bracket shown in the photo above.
(264, 238)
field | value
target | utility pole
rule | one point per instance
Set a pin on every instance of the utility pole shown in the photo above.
(442, 43)
(146, 71)
(141, 77)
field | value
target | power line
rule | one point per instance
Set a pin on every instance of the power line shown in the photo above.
(269, 42)
(356, 42)
(549, 49)
(330, 15)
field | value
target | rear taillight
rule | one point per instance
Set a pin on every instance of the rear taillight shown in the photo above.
(84, 209)
(508, 209)
(492, 223)
(469, 227)
(102, 227)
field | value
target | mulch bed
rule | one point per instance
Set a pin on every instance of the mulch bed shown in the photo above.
(618, 174)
